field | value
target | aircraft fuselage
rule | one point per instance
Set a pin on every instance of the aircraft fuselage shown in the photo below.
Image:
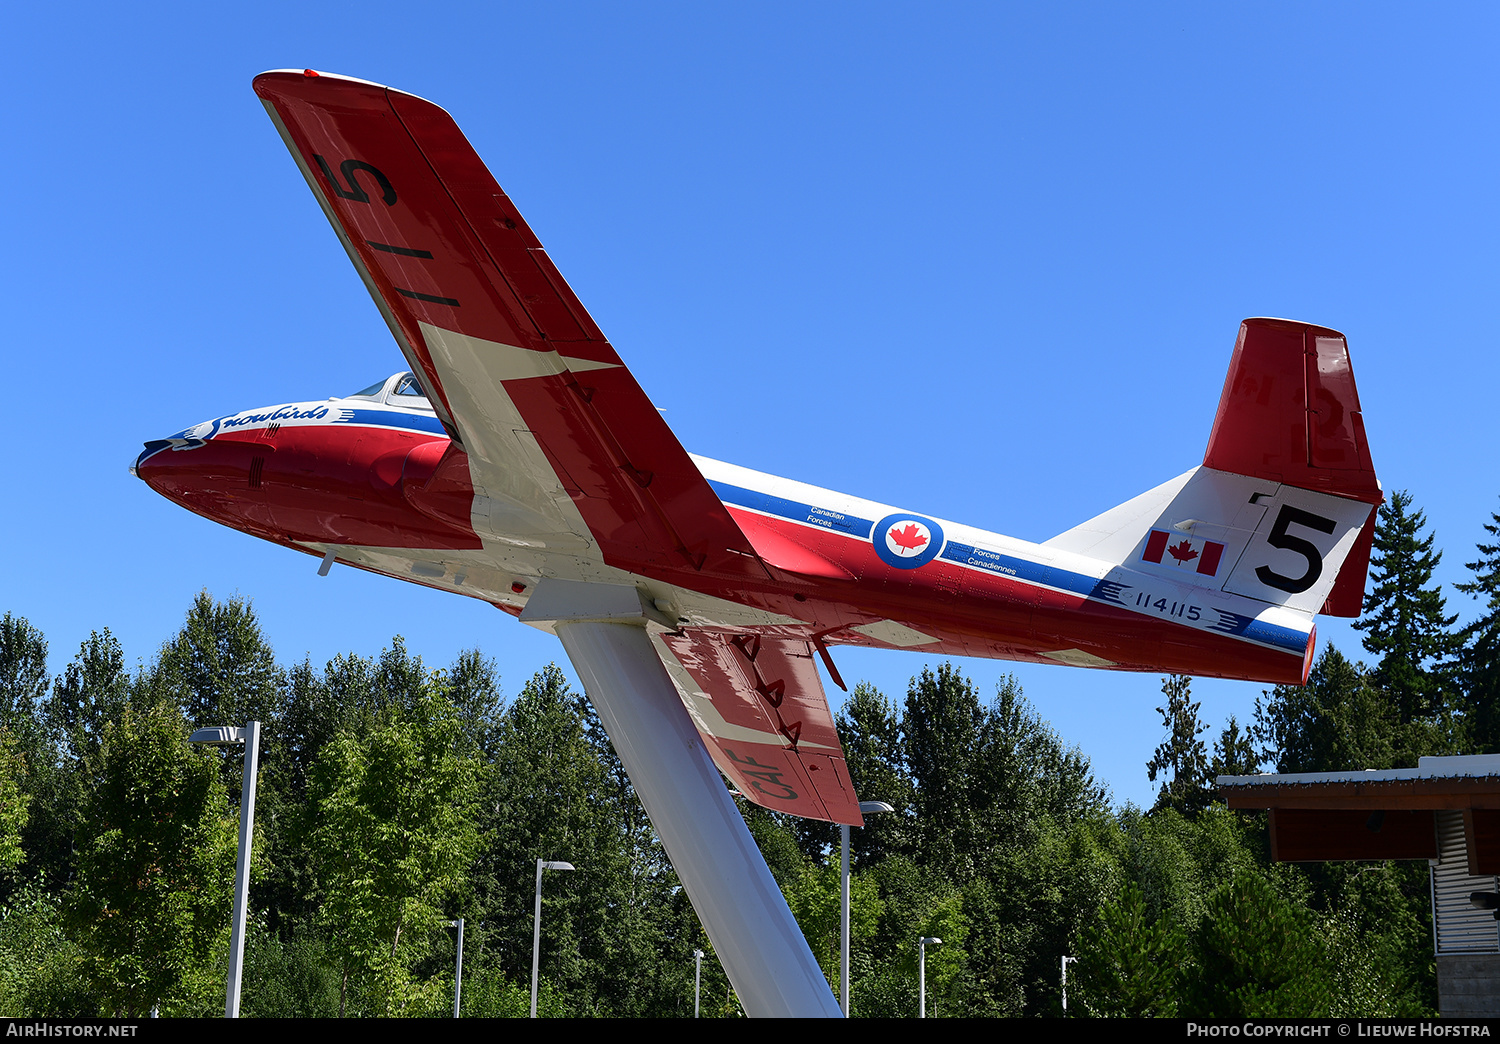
(383, 488)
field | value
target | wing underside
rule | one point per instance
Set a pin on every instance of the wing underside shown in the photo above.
(761, 710)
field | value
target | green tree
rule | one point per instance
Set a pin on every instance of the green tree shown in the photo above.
(93, 691)
(14, 801)
(1130, 966)
(1181, 755)
(941, 728)
(392, 834)
(1234, 752)
(553, 794)
(1404, 620)
(23, 671)
(815, 901)
(1337, 721)
(1256, 957)
(219, 667)
(1479, 661)
(150, 905)
(28, 752)
(869, 727)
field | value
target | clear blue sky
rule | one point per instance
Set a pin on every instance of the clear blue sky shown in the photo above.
(986, 262)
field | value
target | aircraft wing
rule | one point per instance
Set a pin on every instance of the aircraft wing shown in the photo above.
(554, 425)
(760, 709)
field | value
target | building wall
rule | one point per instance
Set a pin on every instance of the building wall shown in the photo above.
(1469, 985)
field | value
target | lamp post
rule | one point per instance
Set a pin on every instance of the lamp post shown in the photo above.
(536, 922)
(697, 978)
(248, 738)
(865, 808)
(1065, 961)
(458, 967)
(922, 971)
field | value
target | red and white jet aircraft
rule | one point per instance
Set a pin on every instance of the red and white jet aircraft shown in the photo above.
(521, 448)
(519, 456)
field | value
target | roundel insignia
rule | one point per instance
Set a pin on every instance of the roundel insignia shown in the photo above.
(907, 541)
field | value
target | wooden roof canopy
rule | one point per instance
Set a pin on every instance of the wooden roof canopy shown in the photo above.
(1377, 813)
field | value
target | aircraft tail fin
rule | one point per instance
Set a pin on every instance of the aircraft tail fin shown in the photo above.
(1290, 412)
(1282, 509)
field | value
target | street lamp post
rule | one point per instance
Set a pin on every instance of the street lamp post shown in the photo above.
(1065, 962)
(865, 808)
(922, 971)
(458, 966)
(536, 922)
(697, 978)
(248, 738)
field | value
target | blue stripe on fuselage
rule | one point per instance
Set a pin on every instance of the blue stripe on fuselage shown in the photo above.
(1081, 584)
(793, 510)
(390, 419)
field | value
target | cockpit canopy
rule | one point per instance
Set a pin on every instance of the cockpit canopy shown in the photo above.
(402, 389)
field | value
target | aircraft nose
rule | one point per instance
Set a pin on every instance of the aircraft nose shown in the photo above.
(152, 448)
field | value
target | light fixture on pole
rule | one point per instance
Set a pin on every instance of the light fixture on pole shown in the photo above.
(865, 808)
(922, 971)
(697, 978)
(1065, 961)
(248, 738)
(536, 922)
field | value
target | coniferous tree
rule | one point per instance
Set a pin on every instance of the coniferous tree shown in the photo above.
(1479, 662)
(1130, 966)
(1182, 756)
(1337, 721)
(1404, 620)
(1234, 752)
(1257, 956)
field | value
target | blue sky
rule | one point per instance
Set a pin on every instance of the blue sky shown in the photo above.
(982, 261)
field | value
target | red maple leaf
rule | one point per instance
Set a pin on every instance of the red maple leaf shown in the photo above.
(1183, 552)
(908, 537)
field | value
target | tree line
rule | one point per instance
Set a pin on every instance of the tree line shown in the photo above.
(395, 798)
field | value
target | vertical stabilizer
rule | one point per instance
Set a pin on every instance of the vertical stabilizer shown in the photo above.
(1282, 509)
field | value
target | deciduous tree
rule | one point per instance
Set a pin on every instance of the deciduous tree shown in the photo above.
(150, 905)
(392, 832)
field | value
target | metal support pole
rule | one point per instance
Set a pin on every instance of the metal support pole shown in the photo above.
(251, 735)
(536, 935)
(697, 978)
(458, 968)
(922, 971)
(602, 627)
(844, 918)
(922, 979)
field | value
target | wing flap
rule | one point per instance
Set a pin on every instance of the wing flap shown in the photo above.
(482, 312)
(760, 708)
